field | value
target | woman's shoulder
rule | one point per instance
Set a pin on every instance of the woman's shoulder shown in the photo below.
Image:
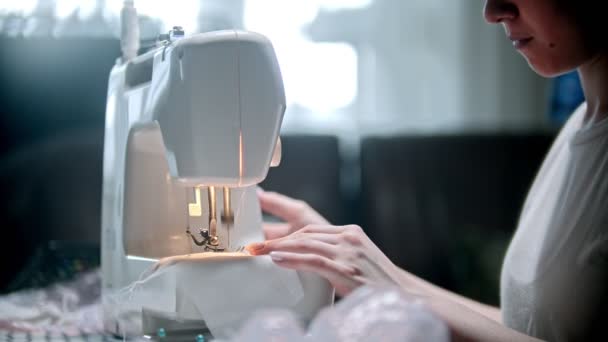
(589, 132)
(569, 129)
(575, 121)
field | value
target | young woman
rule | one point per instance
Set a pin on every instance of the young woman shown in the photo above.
(554, 283)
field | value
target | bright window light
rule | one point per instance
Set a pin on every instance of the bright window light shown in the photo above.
(173, 13)
(319, 76)
(182, 13)
(24, 7)
(114, 6)
(344, 4)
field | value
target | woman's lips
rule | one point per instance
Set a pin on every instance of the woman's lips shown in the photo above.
(520, 42)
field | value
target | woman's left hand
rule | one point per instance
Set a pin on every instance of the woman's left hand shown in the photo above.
(344, 255)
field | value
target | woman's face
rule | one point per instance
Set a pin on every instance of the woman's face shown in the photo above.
(543, 31)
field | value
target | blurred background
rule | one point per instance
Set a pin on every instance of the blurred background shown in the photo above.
(414, 119)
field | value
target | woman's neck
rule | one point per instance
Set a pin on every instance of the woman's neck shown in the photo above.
(594, 78)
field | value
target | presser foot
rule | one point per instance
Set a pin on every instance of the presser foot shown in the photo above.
(209, 243)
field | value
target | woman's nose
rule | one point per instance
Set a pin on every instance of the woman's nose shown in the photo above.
(496, 11)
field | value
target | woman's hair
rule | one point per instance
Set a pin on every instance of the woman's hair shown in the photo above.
(587, 14)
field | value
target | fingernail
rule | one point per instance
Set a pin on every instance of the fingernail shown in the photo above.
(276, 256)
(256, 246)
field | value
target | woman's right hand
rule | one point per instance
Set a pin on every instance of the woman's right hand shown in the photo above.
(297, 214)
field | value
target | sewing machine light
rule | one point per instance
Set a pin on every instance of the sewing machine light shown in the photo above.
(276, 154)
(195, 209)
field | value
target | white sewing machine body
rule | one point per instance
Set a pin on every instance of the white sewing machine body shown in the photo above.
(198, 114)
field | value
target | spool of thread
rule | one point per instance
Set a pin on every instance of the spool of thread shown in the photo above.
(129, 30)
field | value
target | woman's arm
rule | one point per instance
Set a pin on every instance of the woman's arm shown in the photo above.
(468, 320)
(468, 325)
(298, 214)
(348, 258)
(428, 289)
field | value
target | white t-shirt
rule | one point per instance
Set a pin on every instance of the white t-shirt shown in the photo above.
(554, 282)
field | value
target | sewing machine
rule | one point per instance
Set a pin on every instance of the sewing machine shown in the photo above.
(191, 129)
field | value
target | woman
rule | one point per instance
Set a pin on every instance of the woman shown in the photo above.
(554, 281)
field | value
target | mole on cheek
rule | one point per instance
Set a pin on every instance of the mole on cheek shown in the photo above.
(552, 45)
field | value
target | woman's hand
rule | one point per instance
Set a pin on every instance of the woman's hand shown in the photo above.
(344, 255)
(297, 214)
(347, 258)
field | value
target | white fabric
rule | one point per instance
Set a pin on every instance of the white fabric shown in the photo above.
(69, 309)
(221, 289)
(554, 282)
(370, 313)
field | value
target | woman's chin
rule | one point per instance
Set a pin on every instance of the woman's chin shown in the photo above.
(549, 70)
(551, 65)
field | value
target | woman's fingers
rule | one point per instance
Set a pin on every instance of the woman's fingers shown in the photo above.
(275, 233)
(310, 262)
(332, 239)
(305, 246)
(295, 212)
(281, 206)
(322, 229)
(276, 230)
(342, 277)
(298, 242)
(344, 255)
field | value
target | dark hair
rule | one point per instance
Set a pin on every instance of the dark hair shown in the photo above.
(588, 15)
